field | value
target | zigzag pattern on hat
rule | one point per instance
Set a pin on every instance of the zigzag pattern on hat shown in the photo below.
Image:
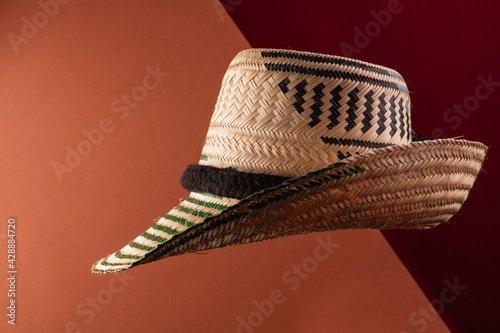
(287, 113)
(368, 112)
(309, 143)
(316, 58)
(334, 109)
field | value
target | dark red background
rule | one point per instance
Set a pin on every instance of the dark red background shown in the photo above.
(440, 48)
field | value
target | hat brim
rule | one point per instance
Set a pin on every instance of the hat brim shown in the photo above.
(413, 186)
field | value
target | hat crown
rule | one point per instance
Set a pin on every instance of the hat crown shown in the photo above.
(286, 113)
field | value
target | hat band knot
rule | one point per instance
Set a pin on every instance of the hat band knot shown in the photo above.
(226, 182)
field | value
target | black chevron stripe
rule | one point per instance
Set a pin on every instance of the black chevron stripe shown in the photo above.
(402, 121)
(334, 109)
(316, 107)
(301, 91)
(394, 121)
(354, 142)
(323, 59)
(335, 74)
(351, 119)
(368, 112)
(381, 114)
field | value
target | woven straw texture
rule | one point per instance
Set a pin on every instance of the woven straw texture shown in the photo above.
(342, 128)
(287, 113)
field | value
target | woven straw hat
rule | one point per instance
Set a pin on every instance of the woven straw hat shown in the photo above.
(302, 142)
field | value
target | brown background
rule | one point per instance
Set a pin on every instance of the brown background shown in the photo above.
(62, 82)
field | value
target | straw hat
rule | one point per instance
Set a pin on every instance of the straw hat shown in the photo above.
(302, 142)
